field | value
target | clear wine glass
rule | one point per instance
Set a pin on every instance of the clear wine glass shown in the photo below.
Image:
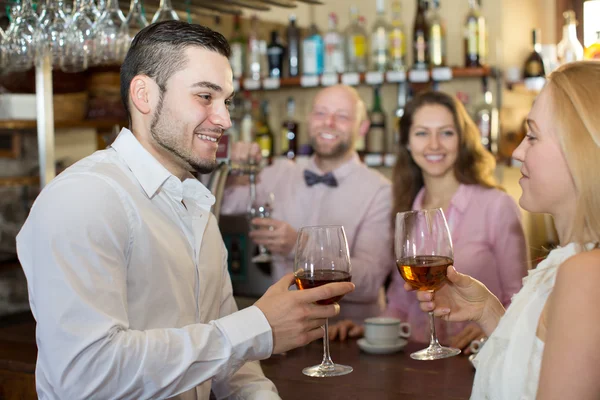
(54, 23)
(424, 252)
(79, 41)
(136, 21)
(257, 210)
(23, 39)
(165, 12)
(322, 257)
(106, 35)
(88, 7)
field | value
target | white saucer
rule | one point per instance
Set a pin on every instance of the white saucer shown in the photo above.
(381, 349)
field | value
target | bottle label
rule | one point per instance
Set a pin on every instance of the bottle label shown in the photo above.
(420, 48)
(376, 139)
(309, 51)
(237, 60)
(534, 68)
(436, 39)
(379, 49)
(284, 138)
(334, 54)
(264, 142)
(397, 44)
(359, 43)
(472, 37)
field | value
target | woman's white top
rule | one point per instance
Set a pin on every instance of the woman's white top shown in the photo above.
(508, 365)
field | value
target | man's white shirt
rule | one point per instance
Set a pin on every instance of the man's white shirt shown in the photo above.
(128, 282)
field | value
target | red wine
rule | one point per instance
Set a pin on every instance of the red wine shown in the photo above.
(424, 272)
(318, 277)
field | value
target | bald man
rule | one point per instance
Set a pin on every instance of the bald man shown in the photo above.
(333, 187)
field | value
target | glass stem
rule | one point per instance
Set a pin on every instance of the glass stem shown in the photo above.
(433, 341)
(165, 5)
(326, 364)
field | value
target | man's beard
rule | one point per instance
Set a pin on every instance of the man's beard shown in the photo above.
(341, 149)
(164, 132)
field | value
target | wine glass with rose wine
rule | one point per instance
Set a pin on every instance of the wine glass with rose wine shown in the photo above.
(322, 257)
(424, 252)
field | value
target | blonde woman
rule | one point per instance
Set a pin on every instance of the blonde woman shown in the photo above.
(544, 346)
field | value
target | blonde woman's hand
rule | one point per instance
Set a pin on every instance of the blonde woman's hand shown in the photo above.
(462, 298)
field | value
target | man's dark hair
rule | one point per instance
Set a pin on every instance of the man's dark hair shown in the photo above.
(158, 51)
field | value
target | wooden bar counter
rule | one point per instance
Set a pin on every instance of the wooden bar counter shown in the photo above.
(381, 377)
(391, 376)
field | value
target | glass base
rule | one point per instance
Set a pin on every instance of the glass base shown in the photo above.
(434, 353)
(318, 371)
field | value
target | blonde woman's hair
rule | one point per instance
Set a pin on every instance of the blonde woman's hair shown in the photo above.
(575, 97)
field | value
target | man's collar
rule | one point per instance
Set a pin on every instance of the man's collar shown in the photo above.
(150, 173)
(340, 172)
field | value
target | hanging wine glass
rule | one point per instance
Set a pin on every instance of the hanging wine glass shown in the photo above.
(15, 10)
(106, 35)
(136, 21)
(89, 9)
(54, 29)
(23, 39)
(165, 12)
(79, 42)
(101, 6)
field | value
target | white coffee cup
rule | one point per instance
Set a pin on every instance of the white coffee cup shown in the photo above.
(385, 331)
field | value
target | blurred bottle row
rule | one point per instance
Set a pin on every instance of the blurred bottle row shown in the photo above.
(250, 118)
(544, 59)
(383, 48)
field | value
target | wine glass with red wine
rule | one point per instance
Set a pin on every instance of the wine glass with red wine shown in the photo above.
(322, 257)
(423, 254)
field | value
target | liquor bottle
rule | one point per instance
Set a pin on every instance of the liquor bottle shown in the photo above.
(253, 55)
(593, 51)
(488, 121)
(238, 49)
(420, 38)
(289, 131)
(398, 114)
(379, 60)
(247, 124)
(264, 134)
(569, 49)
(313, 49)
(356, 44)
(275, 53)
(397, 39)
(437, 37)
(474, 34)
(376, 137)
(264, 58)
(534, 65)
(334, 48)
(293, 48)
